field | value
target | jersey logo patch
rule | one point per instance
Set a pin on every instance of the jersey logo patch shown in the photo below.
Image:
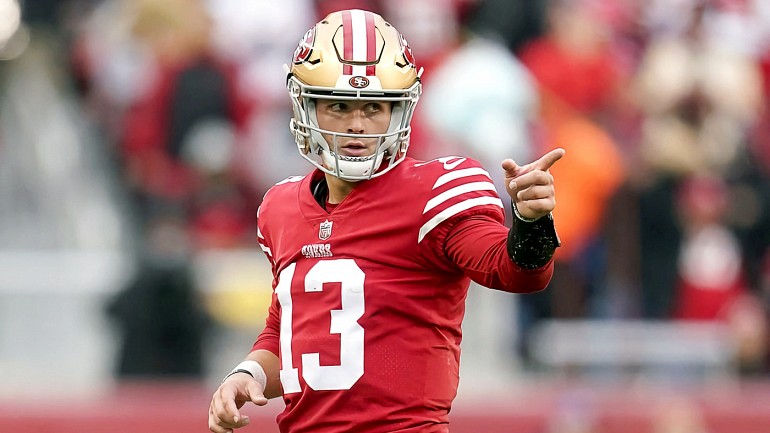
(317, 251)
(325, 230)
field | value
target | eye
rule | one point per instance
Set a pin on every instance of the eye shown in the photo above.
(338, 106)
(373, 107)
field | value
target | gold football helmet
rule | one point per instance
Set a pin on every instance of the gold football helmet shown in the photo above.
(353, 55)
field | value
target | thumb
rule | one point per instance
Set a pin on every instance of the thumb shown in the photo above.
(256, 393)
(510, 167)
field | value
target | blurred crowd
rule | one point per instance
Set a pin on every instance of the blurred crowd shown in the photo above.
(662, 106)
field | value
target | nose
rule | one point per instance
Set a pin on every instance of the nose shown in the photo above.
(357, 122)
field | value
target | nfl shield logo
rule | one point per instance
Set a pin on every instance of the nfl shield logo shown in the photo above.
(325, 230)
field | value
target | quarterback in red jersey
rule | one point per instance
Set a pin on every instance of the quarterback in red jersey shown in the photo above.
(373, 252)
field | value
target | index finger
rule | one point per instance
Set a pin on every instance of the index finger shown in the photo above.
(230, 408)
(549, 159)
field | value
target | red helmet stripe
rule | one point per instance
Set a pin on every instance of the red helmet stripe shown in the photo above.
(371, 43)
(347, 41)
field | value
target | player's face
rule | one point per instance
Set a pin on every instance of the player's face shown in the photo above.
(353, 117)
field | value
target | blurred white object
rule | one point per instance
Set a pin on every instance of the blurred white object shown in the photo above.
(258, 34)
(64, 234)
(636, 347)
(10, 19)
(483, 96)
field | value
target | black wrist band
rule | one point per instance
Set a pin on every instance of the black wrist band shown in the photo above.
(237, 370)
(531, 244)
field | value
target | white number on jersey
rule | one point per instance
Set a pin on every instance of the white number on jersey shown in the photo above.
(343, 322)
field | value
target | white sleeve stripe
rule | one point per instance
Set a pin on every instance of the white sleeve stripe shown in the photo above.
(290, 179)
(457, 174)
(266, 250)
(456, 191)
(454, 210)
(259, 233)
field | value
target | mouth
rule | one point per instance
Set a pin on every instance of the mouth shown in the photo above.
(355, 149)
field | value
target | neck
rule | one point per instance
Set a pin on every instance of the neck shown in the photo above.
(338, 188)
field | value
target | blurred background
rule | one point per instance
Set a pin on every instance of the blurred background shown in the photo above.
(137, 138)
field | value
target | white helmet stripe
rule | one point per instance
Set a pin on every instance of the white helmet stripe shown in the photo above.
(359, 40)
(360, 44)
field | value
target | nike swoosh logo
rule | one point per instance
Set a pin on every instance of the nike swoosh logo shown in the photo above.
(455, 161)
(452, 165)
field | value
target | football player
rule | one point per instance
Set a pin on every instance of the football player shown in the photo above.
(372, 252)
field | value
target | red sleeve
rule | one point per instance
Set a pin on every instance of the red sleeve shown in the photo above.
(477, 245)
(269, 338)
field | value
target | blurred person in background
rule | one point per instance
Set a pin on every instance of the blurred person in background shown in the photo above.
(699, 99)
(173, 105)
(255, 36)
(577, 79)
(573, 60)
(183, 130)
(434, 32)
(483, 102)
(710, 274)
(711, 282)
(159, 314)
(372, 253)
(514, 22)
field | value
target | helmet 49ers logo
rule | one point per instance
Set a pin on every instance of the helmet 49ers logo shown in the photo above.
(406, 51)
(359, 82)
(305, 47)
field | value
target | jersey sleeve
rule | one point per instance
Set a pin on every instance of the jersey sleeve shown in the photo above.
(455, 189)
(478, 246)
(262, 229)
(269, 338)
(459, 188)
(463, 229)
(267, 214)
(263, 245)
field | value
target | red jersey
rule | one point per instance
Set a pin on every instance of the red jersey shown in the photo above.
(369, 298)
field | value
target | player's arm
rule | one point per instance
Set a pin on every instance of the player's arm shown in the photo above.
(265, 352)
(270, 366)
(479, 246)
(518, 259)
(530, 186)
(532, 238)
(256, 379)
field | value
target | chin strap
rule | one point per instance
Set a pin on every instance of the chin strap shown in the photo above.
(532, 243)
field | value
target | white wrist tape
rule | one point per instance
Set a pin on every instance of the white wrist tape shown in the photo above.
(251, 368)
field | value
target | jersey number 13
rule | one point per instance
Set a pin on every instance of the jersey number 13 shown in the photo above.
(343, 322)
